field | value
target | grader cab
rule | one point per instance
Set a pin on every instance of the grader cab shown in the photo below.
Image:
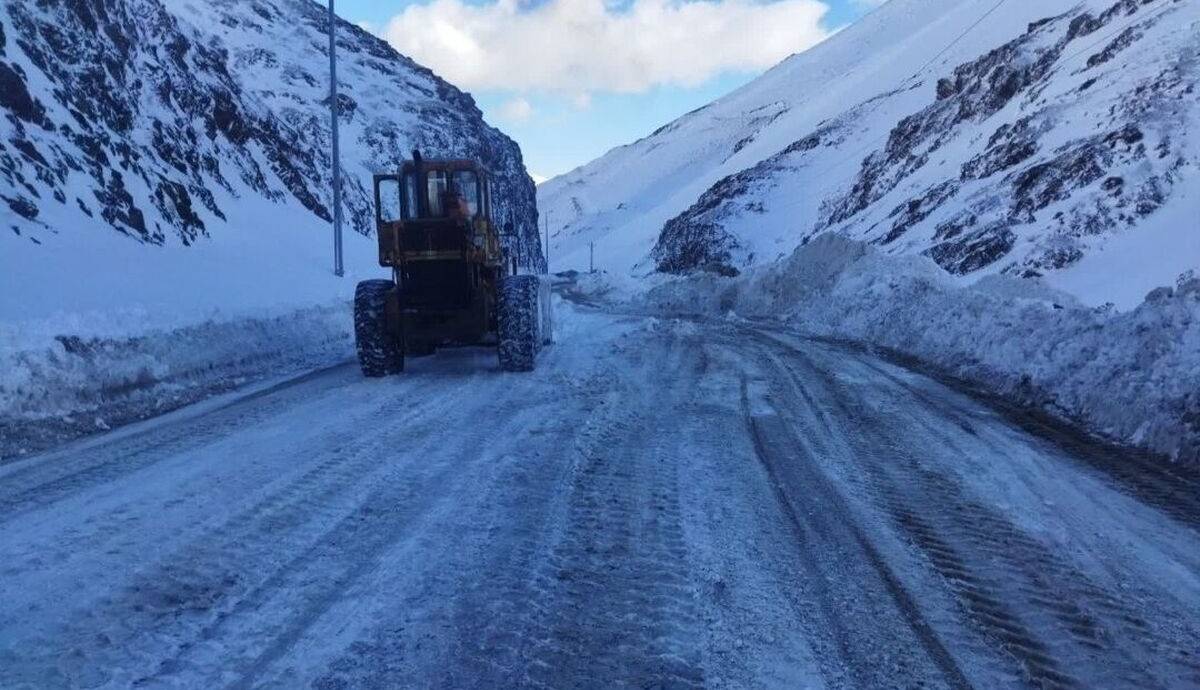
(452, 282)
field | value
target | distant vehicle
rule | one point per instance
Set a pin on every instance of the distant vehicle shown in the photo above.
(452, 283)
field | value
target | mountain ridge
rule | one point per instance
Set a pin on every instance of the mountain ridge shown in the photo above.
(764, 169)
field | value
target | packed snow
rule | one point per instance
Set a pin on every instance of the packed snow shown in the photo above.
(659, 504)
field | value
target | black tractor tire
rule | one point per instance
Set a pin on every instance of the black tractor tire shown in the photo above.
(517, 322)
(380, 353)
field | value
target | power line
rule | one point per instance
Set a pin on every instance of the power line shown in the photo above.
(958, 38)
(900, 87)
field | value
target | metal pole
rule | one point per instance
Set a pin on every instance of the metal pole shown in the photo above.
(547, 242)
(338, 268)
(591, 257)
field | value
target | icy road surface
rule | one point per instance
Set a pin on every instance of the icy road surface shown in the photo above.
(663, 504)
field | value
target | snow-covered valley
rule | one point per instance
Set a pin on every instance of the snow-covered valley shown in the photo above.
(890, 377)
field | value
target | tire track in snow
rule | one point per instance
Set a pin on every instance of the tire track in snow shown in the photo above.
(511, 619)
(463, 629)
(182, 596)
(117, 520)
(612, 600)
(264, 625)
(1170, 487)
(1130, 636)
(821, 520)
(1042, 612)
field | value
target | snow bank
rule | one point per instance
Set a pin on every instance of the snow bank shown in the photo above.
(61, 378)
(603, 287)
(1132, 376)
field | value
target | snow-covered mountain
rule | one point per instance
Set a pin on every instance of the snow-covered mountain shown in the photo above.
(150, 147)
(1057, 139)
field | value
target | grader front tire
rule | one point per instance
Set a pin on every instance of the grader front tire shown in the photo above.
(518, 323)
(380, 353)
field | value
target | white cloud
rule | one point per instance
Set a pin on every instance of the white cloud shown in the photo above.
(581, 100)
(516, 109)
(580, 46)
(537, 179)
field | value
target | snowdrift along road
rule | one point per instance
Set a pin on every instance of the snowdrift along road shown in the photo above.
(663, 503)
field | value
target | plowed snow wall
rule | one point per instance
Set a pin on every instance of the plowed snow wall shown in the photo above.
(64, 386)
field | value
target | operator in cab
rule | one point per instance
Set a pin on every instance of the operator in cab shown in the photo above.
(454, 205)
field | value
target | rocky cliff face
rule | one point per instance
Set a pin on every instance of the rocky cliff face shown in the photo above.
(156, 118)
(1076, 147)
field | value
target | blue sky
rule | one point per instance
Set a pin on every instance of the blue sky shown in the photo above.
(570, 79)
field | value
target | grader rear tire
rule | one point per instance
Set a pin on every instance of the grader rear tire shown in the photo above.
(518, 323)
(380, 353)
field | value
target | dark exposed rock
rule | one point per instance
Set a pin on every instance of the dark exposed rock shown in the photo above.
(175, 204)
(955, 225)
(984, 231)
(974, 91)
(1010, 145)
(916, 210)
(1125, 39)
(760, 119)
(22, 207)
(1059, 257)
(118, 208)
(974, 250)
(346, 106)
(697, 240)
(30, 151)
(696, 245)
(1037, 186)
(15, 97)
(689, 241)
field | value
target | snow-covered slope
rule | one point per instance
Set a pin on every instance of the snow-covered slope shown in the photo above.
(1057, 139)
(172, 155)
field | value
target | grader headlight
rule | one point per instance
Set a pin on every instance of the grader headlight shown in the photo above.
(479, 233)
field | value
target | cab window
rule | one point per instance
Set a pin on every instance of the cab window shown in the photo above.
(468, 186)
(389, 200)
(410, 196)
(437, 182)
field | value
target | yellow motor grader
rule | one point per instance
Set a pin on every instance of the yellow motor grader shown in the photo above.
(452, 282)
